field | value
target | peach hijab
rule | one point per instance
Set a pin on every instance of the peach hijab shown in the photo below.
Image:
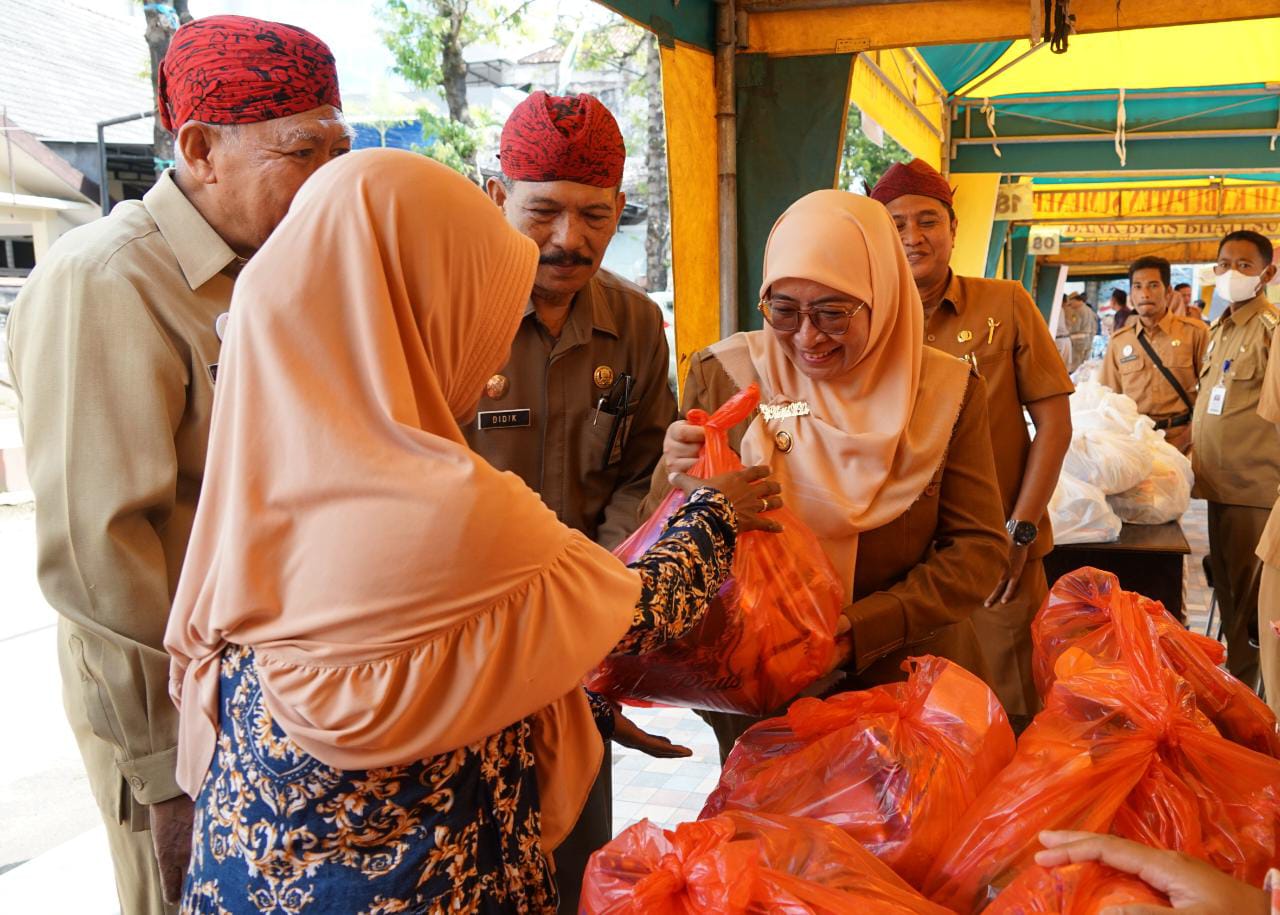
(874, 437)
(403, 598)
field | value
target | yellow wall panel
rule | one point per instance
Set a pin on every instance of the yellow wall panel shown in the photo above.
(975, 206)
(689, 102)
(904, 122)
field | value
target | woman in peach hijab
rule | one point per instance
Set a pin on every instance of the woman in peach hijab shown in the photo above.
(378, 639)
(881, 443)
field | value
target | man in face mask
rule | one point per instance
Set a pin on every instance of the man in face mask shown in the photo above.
(581, 407)
(1235, 446)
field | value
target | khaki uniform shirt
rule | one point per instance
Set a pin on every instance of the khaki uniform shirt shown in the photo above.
(1236, 455)
(1269, 409)
(1127, 369)
(111, 345)
(919, 577)
(540, 420)
(1080, 324)
(995, 325)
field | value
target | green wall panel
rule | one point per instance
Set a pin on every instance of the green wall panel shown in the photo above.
(790, 135)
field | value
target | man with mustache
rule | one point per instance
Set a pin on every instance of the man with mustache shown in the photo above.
(1156, 360)
(581, 407)
(995, 325)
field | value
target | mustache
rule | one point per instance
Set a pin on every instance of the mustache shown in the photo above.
(565, 259)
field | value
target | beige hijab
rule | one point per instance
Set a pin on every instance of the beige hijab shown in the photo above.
(876, 436)
(403, 598)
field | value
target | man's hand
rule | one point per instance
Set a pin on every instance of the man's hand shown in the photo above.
(627, 734)
(1191, 885)
(171, 833)
(681, 445)
(1008, 586)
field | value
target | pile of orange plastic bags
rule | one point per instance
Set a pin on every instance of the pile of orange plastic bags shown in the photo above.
(892, 766)
(771, 630)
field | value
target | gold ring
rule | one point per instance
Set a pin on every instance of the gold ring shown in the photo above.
(764, 505)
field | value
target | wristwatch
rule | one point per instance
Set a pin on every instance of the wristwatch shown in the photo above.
(1022, 533)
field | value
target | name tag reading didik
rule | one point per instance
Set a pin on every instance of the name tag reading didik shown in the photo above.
(503, 419)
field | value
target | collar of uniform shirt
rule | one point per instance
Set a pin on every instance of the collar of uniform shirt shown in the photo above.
(1164, 326)
(1241, 314)
(602, 316)
(954, 295)
(201, 252)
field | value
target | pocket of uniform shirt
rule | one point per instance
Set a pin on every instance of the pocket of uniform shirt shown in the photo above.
(1245, 369)
(1132, 365)
(1178, 360)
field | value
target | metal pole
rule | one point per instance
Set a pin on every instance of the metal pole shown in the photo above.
(1130, 136)
(104, 180)
(990, 76)
(1140, 96)
(727, 156)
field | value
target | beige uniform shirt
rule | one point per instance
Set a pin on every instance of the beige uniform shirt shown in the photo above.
(539, 416)
(113, 352)
(1127, 369)
(1269, 409)
(1236, 454)
(997, 327)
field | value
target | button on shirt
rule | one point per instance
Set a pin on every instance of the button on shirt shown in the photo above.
(1236, 455)
(112, 349)
(997, 327)
(561, 447)
(1127, 369)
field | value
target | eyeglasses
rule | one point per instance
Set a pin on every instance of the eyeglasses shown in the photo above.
(827, 319)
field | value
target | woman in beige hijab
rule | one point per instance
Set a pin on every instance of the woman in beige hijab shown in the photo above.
(378, 639)
(879, 442)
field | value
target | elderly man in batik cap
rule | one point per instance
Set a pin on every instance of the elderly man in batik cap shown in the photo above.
(113, 346)
(580, 409)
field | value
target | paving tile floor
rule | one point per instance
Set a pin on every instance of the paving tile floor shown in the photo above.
(671, 791)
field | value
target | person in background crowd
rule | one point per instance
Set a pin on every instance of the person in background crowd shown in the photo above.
(1181, 305)
(994, 325)
(379, 639)
(1235, 448)
(1079, 324)
(1120, 310)
(1190, 884)
(113, 346)
(913, 531)
(581, 406)
(1156, 360)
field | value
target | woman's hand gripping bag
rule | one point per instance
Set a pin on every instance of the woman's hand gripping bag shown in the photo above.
(743, 864)
(1088, 888)
(1078, 614)
(893, 766)
(1122, 748)
(768, 634)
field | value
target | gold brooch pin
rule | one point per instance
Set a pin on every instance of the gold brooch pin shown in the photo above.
(964, 336)
(1176, 343)
(784, 442)
(603, 376)
(497, 387)
(992, 324)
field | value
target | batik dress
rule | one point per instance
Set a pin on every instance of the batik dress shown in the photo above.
(277, 831)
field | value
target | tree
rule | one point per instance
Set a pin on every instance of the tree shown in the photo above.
(863, 159)
(162, 21)
(427, 39)
(658, 215)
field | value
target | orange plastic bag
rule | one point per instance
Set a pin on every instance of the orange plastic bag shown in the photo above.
(1078, 613)
(892, 766)
(743, 864)
(768, 634)
(1073, 889)
(1120, 747)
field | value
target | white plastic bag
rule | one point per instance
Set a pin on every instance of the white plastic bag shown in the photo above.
(1112, 461)
(1164, 495)
(1079, 513)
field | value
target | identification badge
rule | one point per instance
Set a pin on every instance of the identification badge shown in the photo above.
(1217, 398)
(1132, 357)
(503, 419)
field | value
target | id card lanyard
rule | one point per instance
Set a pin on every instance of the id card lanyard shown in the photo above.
(1218, 396)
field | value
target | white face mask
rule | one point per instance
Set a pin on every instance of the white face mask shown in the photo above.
(1234, 286)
